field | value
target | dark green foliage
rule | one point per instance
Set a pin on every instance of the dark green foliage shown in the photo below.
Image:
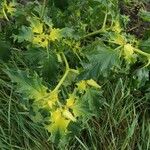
(74, 75)
(5, 50)
(101, 60)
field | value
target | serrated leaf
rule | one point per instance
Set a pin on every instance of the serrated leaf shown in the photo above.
(50, 68)
(142, 76)
(58, 126)
(58, 121)
(48, 21)
(36, 25)
(48, 64)
(68, 33)
(79, 107)
(93, 98)
(86, 106)
(25, 34)
(31, 87)
(35, 55)
(145, 45)
(101, 60)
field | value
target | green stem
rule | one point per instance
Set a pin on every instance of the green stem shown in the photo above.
(65, 74)
(104, 23)
(78, 56)
(5, 15)
(102, 30)
(94, 33)
(65, 60)
(62, 80)
(43, 8)
(47, 51)
(142, 53)
(74, 71)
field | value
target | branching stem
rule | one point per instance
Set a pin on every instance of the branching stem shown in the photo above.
(5, 15)
(65, 74)
(142, 53)
(94, 33)
(102, 30)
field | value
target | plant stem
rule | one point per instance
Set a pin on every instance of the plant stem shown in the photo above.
(43, 8)
(65, 74)
(5, 15)
(98, 31)
(47, 52)
(94, 33)
(65, 60)
(142, 53)
(74, 71)
(104, 23)
(62, 80)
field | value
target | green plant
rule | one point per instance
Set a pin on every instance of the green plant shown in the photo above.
(64, 69)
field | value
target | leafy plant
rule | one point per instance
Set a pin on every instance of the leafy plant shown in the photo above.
(74, 66)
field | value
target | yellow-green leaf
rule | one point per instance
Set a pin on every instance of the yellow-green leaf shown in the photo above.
(59, 123)
(93, 83)
(55, 34)
(128, 52)
(36, 25)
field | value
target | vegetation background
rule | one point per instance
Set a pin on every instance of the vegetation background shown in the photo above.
(124, 119)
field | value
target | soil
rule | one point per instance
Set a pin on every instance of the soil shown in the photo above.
(136, 25)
